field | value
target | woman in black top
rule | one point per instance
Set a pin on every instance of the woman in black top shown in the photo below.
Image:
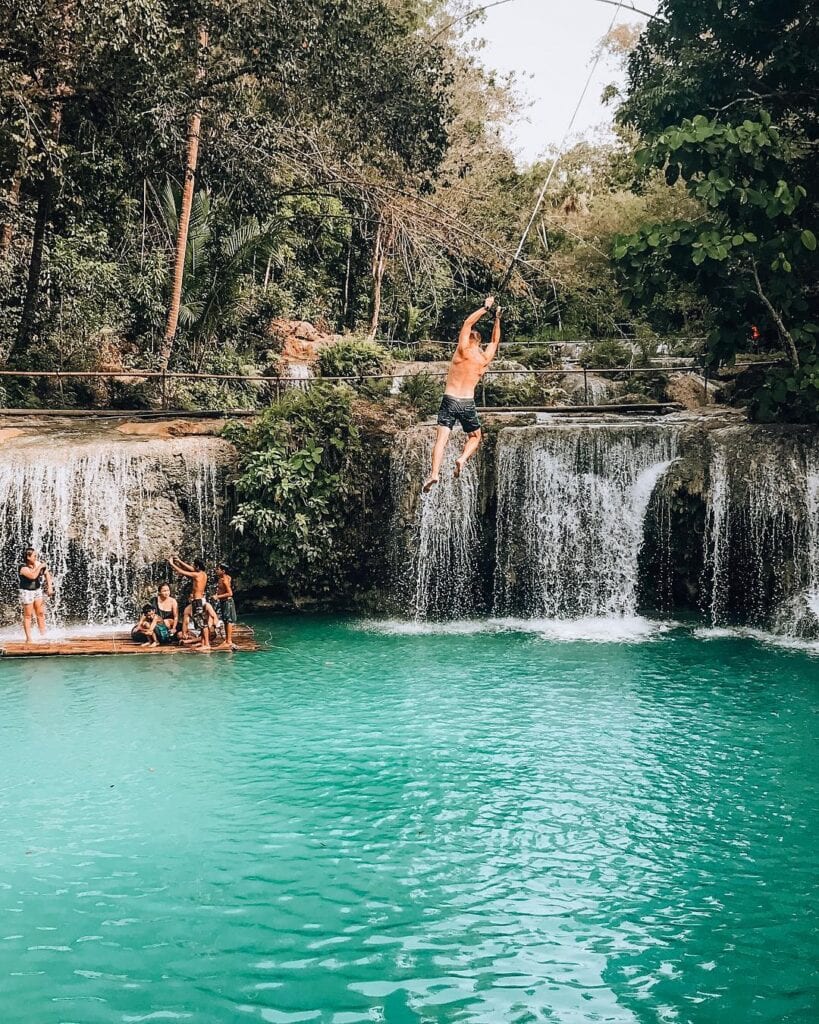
(35, 582)
(167, 609)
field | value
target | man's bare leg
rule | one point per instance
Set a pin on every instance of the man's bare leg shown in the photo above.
(437, 457)
(471, 446)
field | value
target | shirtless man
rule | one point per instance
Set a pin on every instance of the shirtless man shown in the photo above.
(458, 404)
(227, 605)
(205, 626)
(198, 574)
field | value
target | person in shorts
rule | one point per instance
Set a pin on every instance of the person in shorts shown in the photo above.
(144, 632)
(458, 404)
(35, 583)
(225, 602)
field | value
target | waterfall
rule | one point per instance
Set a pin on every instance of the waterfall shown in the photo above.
(762, 537)
(436, 536)
(812, 494)
(103, 514)
(571, 505)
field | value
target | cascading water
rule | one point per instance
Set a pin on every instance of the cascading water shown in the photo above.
(812, 493)
(436, 535)
(762, 538)
(571, 504)
(103, 514)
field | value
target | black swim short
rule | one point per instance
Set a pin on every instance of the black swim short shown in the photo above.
(228, 610)
(459, 410)
(198, 613)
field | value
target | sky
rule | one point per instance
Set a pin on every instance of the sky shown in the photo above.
(549, 44)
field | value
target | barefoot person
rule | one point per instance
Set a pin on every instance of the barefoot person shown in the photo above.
(195, 611)
(204, 621)
(144, 632)
(458, 404)
(227, 606)
(36, 583)
(167, 608)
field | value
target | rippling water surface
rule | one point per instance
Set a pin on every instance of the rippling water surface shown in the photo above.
(373, 826)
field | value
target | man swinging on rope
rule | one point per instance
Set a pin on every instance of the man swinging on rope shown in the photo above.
(458, 404)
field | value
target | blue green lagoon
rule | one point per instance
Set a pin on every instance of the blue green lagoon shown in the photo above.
(375, 822)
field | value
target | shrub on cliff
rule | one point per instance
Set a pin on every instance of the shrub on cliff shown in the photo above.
(353, 358)
(422, 392)
(609, 354)
(304, 491)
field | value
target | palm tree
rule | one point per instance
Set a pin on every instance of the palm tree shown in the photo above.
(214, 267)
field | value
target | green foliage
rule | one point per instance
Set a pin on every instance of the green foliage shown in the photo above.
(299, 485)
(422, 392)
(429, 352)
(724, 109)
(537, 357)
(751, 254)
(506, 389)
(353, 358)
(608, 354)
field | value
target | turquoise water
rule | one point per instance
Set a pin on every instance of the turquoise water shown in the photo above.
(480, 827)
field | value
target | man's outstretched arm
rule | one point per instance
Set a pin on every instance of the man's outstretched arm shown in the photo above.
(472, 319)
(491, 349)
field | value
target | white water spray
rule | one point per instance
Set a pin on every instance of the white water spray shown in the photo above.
(437, 534)
(572, 501)
(102, 515)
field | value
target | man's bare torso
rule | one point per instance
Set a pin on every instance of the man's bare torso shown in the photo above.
(465, 370)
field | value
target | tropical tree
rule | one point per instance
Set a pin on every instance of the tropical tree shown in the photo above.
(726, 101)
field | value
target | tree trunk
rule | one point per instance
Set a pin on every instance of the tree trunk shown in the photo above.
(7, 230)
(784, 334)
(191, 161)
(35, 263)
(383, 240)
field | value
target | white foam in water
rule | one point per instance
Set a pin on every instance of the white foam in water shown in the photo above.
(56, 634)
(633, 629)
(759, 635)
(572, 502)
(625, 629)
(405, 627)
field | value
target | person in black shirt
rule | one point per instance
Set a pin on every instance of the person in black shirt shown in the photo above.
(35, 584)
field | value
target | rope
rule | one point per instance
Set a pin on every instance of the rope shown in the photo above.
(558, 154)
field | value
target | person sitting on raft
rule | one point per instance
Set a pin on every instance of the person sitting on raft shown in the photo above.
(167, 608)
(468, 365)
(144, 632)
(227, 605)
(35, 583)
(202, 616)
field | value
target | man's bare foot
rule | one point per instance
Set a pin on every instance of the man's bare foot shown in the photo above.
(429, 483)
(459, 465)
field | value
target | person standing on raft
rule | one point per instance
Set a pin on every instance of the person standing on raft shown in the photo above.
(458, 404)
(36, 584)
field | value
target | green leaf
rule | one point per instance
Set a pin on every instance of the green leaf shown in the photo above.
(808, 239)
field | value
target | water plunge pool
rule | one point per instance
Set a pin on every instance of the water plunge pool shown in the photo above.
(370, 823)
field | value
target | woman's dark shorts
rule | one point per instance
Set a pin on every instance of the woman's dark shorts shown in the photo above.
(459, 410)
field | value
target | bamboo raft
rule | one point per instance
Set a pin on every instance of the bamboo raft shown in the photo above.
(119, 642)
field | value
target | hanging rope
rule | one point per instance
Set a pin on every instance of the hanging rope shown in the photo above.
(558, 154)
